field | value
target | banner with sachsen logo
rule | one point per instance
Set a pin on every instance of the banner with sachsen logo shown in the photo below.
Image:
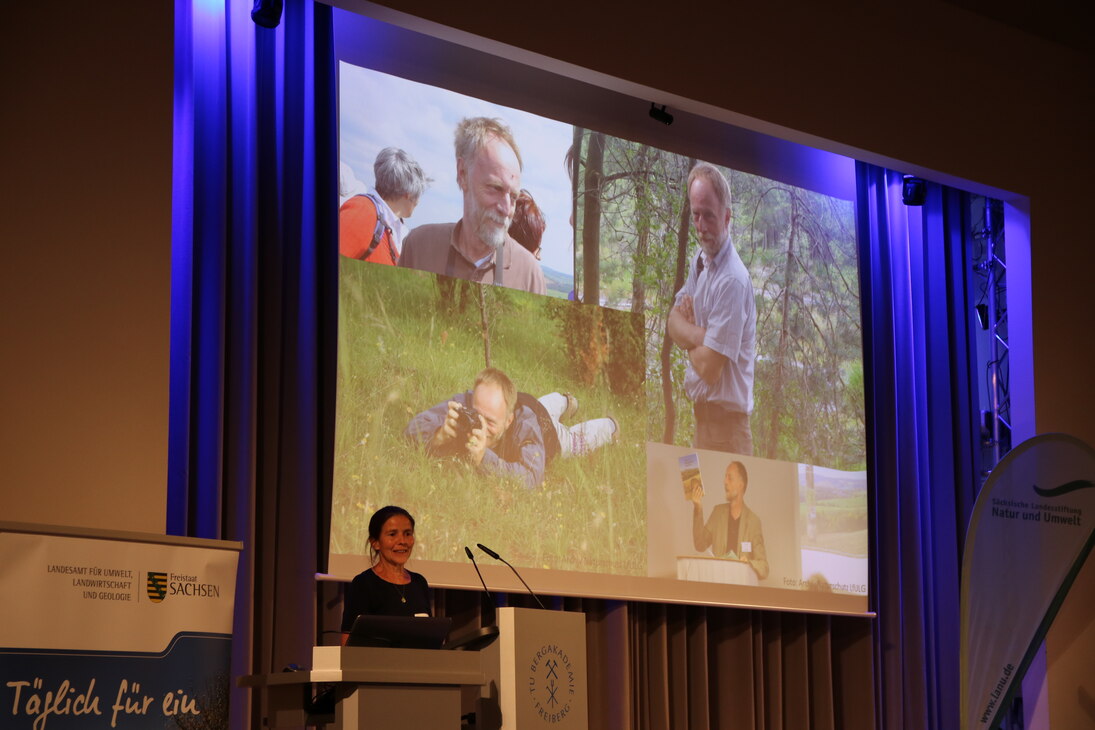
(114, 630)
(1032, 529)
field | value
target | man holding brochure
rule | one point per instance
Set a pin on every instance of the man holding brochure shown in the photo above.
(733, 530)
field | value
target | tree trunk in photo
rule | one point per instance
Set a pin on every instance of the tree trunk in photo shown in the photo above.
(453, 294)
(667, 342)
(644, 163)
(446, 291)
(574, 162)
(771, 439)
(625, 363)
(591, 219)
(484, 323)
(626, 343)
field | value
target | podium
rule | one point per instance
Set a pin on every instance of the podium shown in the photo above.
(534, 674)
(374, 687)
(709, 569)
(538, 665)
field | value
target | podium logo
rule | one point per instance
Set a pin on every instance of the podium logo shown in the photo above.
(551, 683)
(156, 586)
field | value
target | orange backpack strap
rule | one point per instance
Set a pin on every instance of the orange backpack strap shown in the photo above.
(379, 230)
(355, 218)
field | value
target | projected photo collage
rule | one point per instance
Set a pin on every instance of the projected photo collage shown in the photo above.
(694, 429)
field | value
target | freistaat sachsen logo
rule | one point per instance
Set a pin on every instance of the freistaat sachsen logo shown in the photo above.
(156, 586)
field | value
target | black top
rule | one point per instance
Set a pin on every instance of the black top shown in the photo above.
(369, 593)
(732, 527)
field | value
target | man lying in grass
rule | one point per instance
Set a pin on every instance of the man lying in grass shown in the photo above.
(500, 431)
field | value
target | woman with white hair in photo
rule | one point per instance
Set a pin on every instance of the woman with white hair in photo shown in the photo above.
(370, 224)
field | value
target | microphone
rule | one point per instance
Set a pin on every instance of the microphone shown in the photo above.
(496, 556)
(472, 558)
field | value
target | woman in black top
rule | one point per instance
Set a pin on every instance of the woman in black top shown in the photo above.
(387, 588)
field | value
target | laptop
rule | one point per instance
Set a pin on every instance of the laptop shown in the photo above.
(400, 632)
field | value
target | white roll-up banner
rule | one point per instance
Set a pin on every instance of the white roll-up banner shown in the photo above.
(1029, 534)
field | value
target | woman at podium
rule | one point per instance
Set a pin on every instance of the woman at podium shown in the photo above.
(387, 588)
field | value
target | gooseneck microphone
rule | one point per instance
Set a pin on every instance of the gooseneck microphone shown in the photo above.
(496, 556)
(472, 558)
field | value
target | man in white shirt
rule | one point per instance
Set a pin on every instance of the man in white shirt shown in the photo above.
(714, 318)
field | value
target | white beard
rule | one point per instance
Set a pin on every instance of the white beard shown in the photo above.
(492, 230)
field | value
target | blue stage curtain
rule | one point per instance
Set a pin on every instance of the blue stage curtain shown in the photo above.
(254, 276)
(923, 450)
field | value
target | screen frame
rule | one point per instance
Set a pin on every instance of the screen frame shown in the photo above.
(342, 568)
(489, 70)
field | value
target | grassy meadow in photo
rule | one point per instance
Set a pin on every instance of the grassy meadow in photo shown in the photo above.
(408, 340)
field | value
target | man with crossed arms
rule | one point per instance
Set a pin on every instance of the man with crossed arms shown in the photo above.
(714, 318)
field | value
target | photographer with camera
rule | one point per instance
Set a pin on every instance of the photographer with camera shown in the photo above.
(499, 431)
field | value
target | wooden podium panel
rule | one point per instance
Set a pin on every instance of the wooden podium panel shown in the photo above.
(533, 676)
(376, 687)
(395, 666)
(371, 706)
(542, 678)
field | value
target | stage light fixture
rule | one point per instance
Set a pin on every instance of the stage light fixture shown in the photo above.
(983, 316)
(660, 114)
(266, 13)
(913, 190)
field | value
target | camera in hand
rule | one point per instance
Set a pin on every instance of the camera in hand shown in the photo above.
(466, 420)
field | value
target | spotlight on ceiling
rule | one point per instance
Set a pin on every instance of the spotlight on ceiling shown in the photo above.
(913, 190)
(660, 114)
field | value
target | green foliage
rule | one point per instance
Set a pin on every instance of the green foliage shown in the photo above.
(582, 331)
(626, 343)
(840, 524)
(402, 351)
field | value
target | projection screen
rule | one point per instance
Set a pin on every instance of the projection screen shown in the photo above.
(617, 518)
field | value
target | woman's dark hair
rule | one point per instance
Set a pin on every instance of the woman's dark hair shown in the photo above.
(376, 523)
(528, 223)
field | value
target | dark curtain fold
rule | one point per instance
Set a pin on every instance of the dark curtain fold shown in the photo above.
(253, 335)
(922, 446)
(653, 665)
(253, 296)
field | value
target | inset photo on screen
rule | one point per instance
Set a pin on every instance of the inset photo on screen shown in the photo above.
(558, 484)
(405, 193)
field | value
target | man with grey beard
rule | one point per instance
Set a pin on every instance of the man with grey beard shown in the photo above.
(478, 246)
(714, 319)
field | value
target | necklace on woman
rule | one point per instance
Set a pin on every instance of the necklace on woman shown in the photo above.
(400, 588)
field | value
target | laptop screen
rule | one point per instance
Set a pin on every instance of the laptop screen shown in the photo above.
(399, 632)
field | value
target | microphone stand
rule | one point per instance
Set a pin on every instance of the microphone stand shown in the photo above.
(472, 558)
(496, 556)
